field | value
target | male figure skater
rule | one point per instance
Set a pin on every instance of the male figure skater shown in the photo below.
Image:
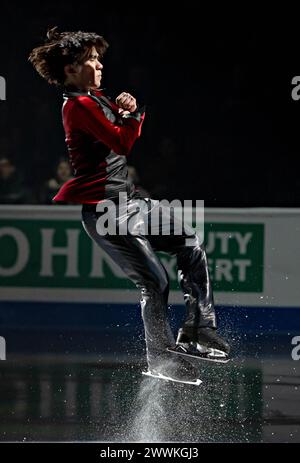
(99, 136)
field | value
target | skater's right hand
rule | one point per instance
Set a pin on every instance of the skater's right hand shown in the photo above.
(126, 102)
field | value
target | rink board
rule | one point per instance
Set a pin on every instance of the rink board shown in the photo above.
(54, 280)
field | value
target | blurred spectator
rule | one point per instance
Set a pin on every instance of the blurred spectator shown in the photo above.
(12, 187)
(62, 174)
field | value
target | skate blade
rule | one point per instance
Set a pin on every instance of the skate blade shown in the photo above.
(167, 378)
(200, 356)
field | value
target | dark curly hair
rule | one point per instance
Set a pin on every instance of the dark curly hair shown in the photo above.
(62, 48)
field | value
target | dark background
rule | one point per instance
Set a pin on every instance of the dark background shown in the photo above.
(221, 126)
(221, 123)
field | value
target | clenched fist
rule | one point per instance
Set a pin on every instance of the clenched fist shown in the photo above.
(126, 102)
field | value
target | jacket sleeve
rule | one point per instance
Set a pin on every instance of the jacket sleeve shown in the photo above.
(92, 120)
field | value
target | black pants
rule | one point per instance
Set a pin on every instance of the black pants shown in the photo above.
(135, 254)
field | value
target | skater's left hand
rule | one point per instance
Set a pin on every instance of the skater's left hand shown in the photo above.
(122, 112)
(126, 102)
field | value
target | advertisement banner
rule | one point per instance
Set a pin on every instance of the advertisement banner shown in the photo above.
(46, 255)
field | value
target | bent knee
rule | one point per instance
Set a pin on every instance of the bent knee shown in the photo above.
(158, 285)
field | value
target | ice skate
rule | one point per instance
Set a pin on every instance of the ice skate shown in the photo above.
(170, 369)
(202, 344)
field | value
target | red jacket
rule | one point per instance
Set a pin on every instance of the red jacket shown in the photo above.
(98, 141)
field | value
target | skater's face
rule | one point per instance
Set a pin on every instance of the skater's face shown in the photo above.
(86, 76)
